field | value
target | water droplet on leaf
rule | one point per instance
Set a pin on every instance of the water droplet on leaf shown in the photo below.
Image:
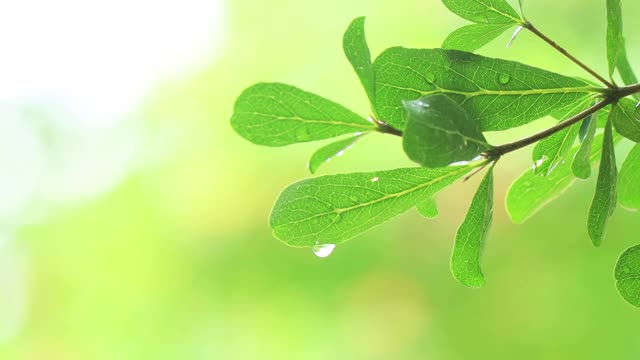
(375, 179)
(323, 250)
(504, 79)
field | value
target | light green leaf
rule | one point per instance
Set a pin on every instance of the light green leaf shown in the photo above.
(473, 37)
(604, 201)
(530, 193)
(334, 208)
(275, 114)
(629, 180)
(472, 234)
(330, 151)
(439, 132)
(626, 71)
(499, 94)
(550, 152)
(627, 275)
(614, 33)
(625, 121)
(356, 49)
(581, 165)
(484, 11)
(428, 208)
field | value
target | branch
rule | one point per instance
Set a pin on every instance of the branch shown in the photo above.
(533, 29)
(507, 148)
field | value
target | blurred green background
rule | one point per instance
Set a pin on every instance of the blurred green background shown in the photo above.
(155, 244)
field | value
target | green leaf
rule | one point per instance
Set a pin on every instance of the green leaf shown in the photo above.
(499, 94)
(428, 208)
(473, 37)
(472, 234)
(625, 121)
(275, 114)
(581, 164)
(626, 71)
(484, 11)
(604, 201)
(356, 49)
(627, 275)
(334, 208)
(330, 151)
(439, 132)
(530, 193)
(614, 33)
(629, 180)
(552, 151)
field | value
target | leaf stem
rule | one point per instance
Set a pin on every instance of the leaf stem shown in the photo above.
(498, 151)
(564, 52)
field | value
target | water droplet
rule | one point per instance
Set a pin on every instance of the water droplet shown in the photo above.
(340, 153)
(375, 179)
(322, 250)
(539, 163)
(515, 34)
(504, 79)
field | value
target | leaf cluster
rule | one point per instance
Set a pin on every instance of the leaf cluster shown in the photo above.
(441, 101)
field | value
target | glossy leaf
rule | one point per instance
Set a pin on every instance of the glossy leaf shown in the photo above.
(625, 121)
(530, 192)
(605, 198)
(626, 71)
(499, 94)
(484, 11)
(472, 234)
(581, 164)
(550, 152)
(614, 33)
(439, 132)
(629, 180)
(627, 275)
(275, 114)
(330, 151)
(357, 51)
(428, 208)
(473, 37)
(334, 208)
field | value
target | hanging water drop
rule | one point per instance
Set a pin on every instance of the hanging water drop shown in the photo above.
(504, 79)
(323, 250)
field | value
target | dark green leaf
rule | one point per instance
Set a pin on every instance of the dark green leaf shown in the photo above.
(328, 152)
(625, 121)
(627, 275)
(439, 132)
(473, 37)
(484, 11)
(629, 180)
(472, 234)
(499, 94)
(334, 208)
(356, 49)
(624, 68)
(581, 165)
(428, 208)
(529, 193)
(614, 33)
(277, 114)
(604, 201)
